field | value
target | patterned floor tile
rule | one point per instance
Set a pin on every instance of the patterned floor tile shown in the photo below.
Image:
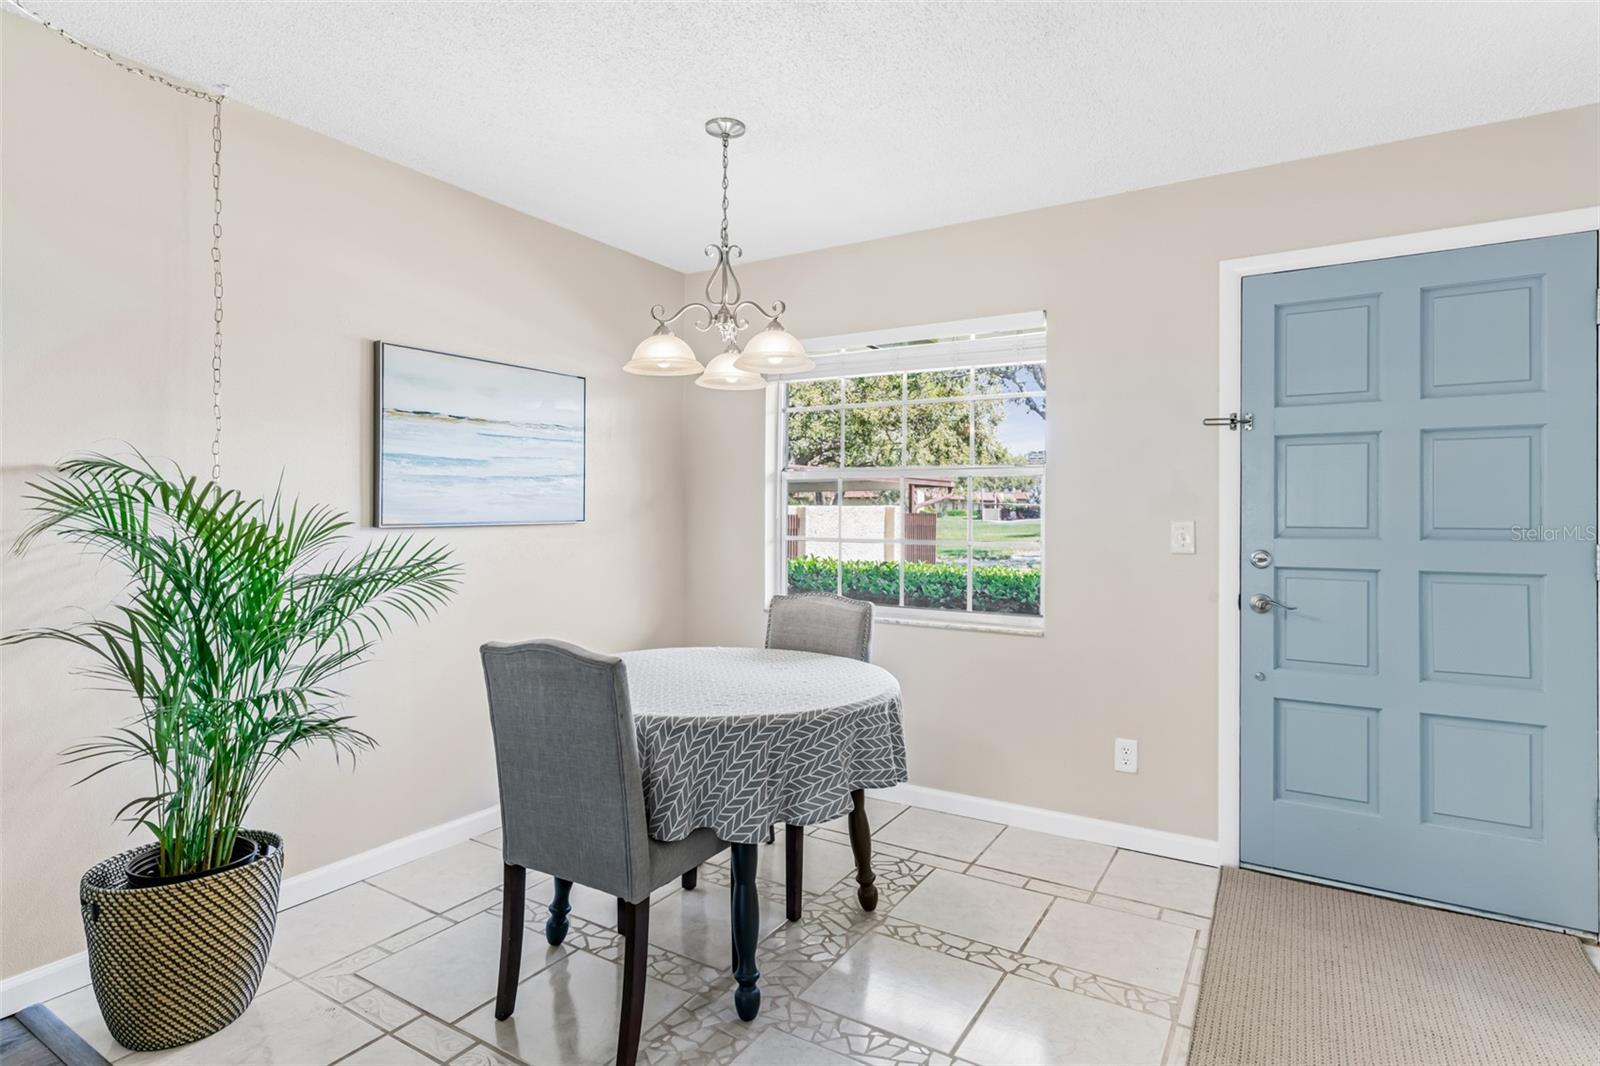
(896, 986)
(446, 878)
(1140, 951)
(925, 996)
(1027, 1024)
(949, 835)
(1182, 886)
(387, 1051)
(327, 928)
(289, 1024)
(434, 1037)
(567, 1013)
(382, 1009)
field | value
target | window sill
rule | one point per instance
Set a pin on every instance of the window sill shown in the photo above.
(975, 625)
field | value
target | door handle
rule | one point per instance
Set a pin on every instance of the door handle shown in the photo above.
(1233, 420)
(1261, 603)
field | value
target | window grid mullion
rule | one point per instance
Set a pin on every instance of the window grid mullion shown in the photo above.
(900, 527)
(838, 525)
(905, 439)
(838, 502)
(901, 476)
(861, 405)
(900, 483)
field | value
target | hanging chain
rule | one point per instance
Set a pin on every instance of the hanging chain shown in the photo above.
(724, 190)
(187, 90)
(215, 99)
(216, 289)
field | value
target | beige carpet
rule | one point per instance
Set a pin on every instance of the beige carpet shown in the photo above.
(1302, 974)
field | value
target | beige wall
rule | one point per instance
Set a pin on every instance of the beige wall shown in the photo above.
(106, 339)
(1130, 286)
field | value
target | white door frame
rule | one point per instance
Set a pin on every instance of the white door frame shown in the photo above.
(1230, 286)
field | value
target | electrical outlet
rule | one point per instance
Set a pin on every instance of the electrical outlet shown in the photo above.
(1183, 537)
(1125, 757)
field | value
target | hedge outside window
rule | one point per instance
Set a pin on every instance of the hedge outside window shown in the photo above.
(920, 491)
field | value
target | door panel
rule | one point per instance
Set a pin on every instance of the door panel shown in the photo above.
(1422, 471)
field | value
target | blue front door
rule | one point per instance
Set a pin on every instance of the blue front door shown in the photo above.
(1418, 671)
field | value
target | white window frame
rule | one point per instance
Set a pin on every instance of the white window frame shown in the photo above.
(999, 341)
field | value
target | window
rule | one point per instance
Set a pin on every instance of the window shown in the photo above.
(912, 476)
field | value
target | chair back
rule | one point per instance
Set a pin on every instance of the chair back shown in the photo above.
(571, 794)
(822, 623)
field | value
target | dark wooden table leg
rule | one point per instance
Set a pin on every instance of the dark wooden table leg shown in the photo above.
(746, 930)
(635, 919)
(861, 845)
(555, 927)
(691, 879)
(511, 905)
(794, 843)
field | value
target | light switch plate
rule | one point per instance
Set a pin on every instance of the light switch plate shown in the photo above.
(1183, 537)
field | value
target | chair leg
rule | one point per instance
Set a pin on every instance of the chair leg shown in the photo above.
(794, 843)
(512, 901)
(691, 879)
(635, 968)
(861, 846)
(555, 927)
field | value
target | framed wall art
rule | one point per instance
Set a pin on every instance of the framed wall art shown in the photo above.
(463, 441)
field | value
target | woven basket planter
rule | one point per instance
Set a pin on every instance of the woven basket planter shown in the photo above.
(177, 962)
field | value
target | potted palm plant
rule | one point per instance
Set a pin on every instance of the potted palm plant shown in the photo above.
(236, 619)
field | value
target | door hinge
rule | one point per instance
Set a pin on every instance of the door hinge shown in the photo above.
(1597, 307)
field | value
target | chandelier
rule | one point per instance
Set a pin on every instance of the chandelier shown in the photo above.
(772, 350)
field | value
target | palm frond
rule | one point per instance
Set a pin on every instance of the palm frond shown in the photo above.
(236, 615)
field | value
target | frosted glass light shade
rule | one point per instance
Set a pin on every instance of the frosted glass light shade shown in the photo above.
(723, 372)
(774, 351)
(663, 354)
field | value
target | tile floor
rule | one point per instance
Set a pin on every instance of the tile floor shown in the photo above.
(989, 945)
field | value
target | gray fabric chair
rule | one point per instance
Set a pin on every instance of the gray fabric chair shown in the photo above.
(572, 805)
(821, 623)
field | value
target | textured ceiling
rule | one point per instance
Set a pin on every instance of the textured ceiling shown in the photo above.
(865, 119)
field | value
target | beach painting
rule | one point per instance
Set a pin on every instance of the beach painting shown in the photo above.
(470, 442)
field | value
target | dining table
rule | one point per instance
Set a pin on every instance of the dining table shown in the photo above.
(736, 740)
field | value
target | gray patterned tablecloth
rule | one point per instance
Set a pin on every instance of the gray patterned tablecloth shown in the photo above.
(739, 739)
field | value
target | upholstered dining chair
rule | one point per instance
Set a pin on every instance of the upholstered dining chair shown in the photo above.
(572, 806)
(827, 625)
(820, 622)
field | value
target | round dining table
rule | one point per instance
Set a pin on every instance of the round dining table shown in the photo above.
(736, 740)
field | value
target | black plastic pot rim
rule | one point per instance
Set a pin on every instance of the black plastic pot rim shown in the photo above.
(252, 851)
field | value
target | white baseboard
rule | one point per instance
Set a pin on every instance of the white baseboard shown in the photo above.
(62, 976)
(43, 982)
(1059, 823)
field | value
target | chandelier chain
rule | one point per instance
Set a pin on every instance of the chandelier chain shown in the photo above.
(724, 190)
(215, 99)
